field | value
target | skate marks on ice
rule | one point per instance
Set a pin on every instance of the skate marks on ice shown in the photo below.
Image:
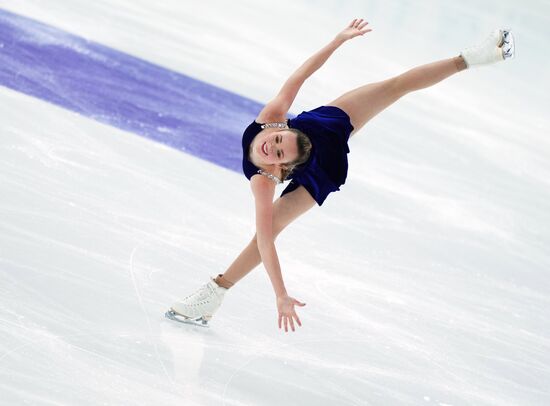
(447, 329)
(333, 371)
(75, 366)
(144, 311)
(169, 314)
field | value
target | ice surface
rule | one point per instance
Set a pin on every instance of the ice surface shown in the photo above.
(425, 277)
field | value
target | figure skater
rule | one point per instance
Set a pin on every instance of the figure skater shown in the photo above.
(311, 150)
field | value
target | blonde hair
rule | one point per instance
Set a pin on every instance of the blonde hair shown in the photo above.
(304, 150)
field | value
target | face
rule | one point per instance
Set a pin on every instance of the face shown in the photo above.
(276, 148)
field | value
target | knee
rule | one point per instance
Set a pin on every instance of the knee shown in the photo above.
(276, 233)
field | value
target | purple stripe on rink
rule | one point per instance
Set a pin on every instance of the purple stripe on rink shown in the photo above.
(123, 91)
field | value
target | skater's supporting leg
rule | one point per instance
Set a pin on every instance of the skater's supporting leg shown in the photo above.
(248, 259)
(285, 210)
(200, 306)
(365, 102)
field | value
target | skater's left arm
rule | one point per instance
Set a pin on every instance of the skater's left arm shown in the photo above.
(264, 191)
(277, 109)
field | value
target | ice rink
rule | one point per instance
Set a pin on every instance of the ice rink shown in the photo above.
(426, 277)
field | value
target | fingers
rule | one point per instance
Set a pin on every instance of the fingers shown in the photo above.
(289, 320)
(356, 22)
(298, 320)
(287, 314)
(361, 26)
(358, 27)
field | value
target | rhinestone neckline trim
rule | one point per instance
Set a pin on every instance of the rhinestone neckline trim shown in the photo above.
(270, 176)
(274, 125)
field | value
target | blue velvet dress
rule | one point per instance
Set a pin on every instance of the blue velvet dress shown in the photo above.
(328, 128)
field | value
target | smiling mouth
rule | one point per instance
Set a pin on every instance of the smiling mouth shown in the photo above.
(264, 148)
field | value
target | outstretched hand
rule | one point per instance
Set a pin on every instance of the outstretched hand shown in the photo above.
(285, 306)
(355, 28)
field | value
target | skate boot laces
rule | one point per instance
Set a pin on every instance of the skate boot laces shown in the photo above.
(201, 296)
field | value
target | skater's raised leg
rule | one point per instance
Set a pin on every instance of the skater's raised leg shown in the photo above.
(365, 102)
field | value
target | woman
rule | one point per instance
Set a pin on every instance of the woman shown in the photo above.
(311, 149)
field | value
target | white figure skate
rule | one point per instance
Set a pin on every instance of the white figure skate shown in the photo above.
(199, 307)
(498, 46)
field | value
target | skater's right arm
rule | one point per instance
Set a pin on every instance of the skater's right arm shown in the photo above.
(276, 110)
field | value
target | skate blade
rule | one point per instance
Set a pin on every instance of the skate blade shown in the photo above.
(172, 315)
(508, 44)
